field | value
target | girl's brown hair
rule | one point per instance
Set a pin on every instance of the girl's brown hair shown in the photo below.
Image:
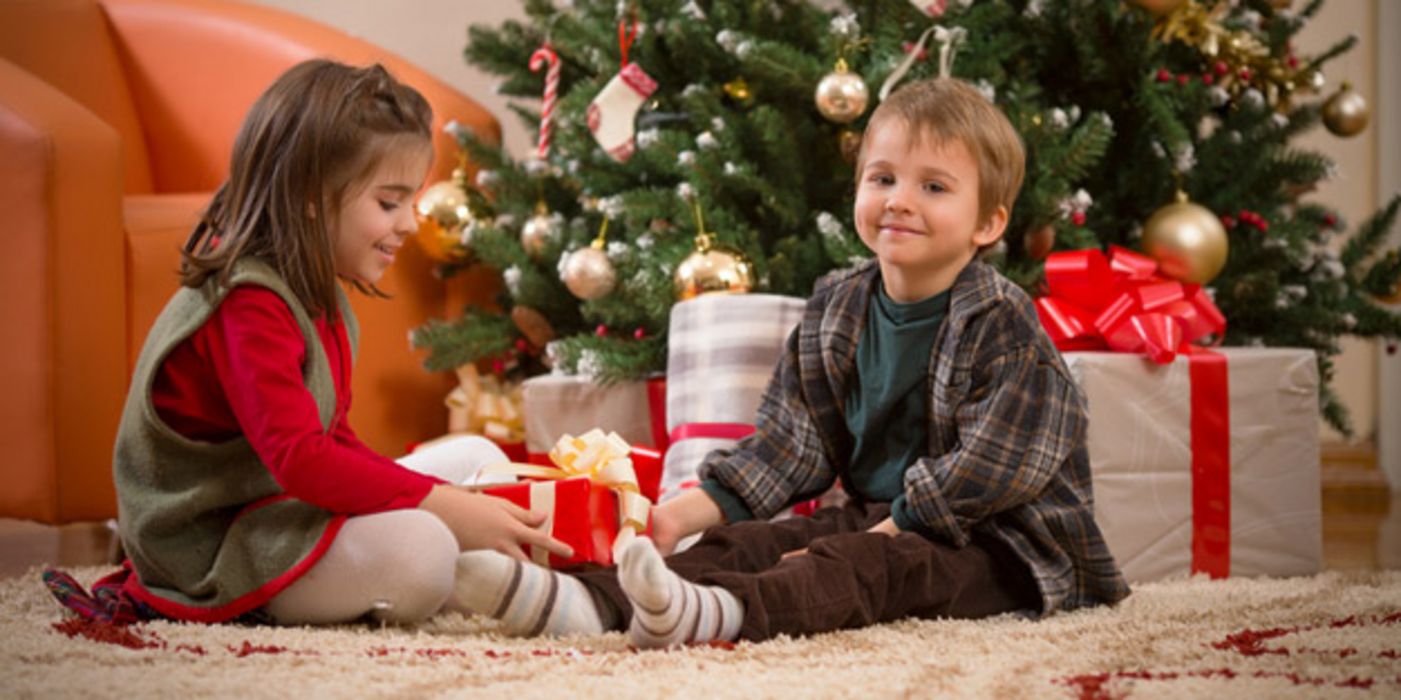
(317, 130)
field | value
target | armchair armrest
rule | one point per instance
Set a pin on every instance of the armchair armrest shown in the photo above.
(63, 364)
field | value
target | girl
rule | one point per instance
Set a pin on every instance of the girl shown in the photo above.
(240, 486)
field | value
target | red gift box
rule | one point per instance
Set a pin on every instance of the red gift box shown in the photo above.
(581, 513)
(590, 493)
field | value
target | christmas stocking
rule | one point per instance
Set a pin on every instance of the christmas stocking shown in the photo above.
(612, 112)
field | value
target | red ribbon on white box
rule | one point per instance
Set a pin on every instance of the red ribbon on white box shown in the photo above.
(1122, 303)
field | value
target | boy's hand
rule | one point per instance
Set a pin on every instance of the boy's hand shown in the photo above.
(479, 521)
(684, 515)
(884, 527)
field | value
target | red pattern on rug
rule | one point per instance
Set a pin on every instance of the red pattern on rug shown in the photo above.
(1250, 642)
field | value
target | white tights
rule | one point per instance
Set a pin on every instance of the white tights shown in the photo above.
(397, 566)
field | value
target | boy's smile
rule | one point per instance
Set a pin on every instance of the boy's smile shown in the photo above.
(917, 210)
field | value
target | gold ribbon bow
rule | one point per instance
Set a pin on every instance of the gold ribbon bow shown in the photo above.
(604, 459)
(485, 405)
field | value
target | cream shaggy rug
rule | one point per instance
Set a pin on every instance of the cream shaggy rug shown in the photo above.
(1333, 635)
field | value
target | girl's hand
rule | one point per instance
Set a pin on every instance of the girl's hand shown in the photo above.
(479, 521)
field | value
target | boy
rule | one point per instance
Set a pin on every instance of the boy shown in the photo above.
(924, 382)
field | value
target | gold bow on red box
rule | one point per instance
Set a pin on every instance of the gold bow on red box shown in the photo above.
(589, 471)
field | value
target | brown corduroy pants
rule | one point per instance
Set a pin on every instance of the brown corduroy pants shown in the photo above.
(848, 578)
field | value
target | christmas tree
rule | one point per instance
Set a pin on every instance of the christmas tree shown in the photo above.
(691, 146)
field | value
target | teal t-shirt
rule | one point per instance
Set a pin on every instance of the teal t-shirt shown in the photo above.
(887, 409)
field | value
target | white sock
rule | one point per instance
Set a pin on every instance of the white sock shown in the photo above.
(528, 599)
(669, 611)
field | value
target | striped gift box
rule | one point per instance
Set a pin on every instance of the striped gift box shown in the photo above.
(722, 350)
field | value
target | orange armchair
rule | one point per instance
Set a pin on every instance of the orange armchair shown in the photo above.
(116, 122)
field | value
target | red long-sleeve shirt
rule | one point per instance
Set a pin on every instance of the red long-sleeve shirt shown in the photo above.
(241, 374)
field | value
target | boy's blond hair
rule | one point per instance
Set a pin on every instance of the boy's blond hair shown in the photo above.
(948, 109)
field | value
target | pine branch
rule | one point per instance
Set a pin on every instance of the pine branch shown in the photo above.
(451, 344)
(1370, 235)
(1333, 51)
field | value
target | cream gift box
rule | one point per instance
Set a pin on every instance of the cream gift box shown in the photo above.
(1140, 445)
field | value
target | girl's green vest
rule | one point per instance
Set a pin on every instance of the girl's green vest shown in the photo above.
(183, 505)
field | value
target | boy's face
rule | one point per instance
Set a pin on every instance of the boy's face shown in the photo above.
(376, 215)
(917, 210)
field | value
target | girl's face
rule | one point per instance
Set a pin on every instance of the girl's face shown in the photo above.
(376, 215)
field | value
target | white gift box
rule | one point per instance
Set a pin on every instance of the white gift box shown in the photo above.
(556, 405)
(1140, 447)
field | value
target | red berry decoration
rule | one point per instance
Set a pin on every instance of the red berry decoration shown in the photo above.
(1183, 79)
(1208, 79)
(1164, 76)
(522, 345)
(601, 330)
(639, 333)
(497, 366)
(1221, 68)
(1330, 221)
(1228, 221)
(1244, 74)
(1077, 218)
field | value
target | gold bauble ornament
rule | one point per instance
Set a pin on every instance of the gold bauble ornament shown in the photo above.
(1187, 240)
(1158, 8)
(1038, 243)
(713, 268)
(1346, 113)
(444, 214)
(539, 231)
(849, 141)
(841, 95)
(587, 272)
(738, 90)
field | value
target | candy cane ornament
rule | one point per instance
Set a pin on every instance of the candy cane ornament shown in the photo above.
(545, 57)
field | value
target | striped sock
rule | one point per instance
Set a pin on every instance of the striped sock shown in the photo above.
(668, 611)
(528, 599)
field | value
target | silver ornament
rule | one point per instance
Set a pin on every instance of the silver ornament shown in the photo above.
(842, 96)
(589, 274)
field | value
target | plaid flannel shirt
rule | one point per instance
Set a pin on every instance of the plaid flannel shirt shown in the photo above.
(1007, 425)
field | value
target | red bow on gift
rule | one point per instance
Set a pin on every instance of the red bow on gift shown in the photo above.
(1122, 303)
